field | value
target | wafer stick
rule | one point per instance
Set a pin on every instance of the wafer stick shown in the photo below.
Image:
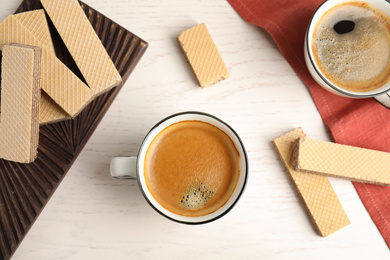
(83, 44)
(343, 161)
(49, 111)
(35, 21)
(62, 85)
(20, 94)
(202, 55)
(315, 191)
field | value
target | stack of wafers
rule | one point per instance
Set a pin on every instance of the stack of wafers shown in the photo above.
(309, 162)
(50, 91)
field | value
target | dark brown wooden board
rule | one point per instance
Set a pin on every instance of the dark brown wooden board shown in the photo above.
(25, 189)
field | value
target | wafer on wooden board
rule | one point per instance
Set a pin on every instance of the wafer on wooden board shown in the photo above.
(61, 84)
(343, 161)
(35, 21)
(83, 44)
(202, 55)
(315, 191)
(49, 111)
(20, 95)
(59, 144)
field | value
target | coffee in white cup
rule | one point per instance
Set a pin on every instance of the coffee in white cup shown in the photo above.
(191, 167)
(347, 48)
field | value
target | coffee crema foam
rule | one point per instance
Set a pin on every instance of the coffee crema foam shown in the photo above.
(357, 61)
(191, 168)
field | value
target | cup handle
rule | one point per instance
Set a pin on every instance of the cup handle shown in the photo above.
(124, 167)
(384, 99)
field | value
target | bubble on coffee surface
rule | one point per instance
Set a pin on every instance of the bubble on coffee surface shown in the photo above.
(344, 26)
(197, 197)
(359, 55)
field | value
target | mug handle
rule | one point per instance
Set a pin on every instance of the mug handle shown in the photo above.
(124, 167)
(384, 99)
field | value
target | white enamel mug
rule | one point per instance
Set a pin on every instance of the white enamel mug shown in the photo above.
(381, 94)
(133, 166)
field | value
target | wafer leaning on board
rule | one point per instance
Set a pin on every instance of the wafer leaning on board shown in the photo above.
(20, 94)
(61, 84)
(36, 22)
(64, 95)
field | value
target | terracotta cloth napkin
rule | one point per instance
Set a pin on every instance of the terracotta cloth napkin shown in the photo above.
(359, 122)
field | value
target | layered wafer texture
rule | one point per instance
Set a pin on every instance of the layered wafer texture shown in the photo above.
(35, 21)
(203, 55)
(61, 84)
(49, 111)
(20, 94)
(315, 191)
(83, 44)
(343, 161)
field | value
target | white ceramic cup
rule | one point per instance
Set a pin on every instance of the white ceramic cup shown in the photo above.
(133, 166)
(381, 94)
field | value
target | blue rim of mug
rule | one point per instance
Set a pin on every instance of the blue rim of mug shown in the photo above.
(245, 177)
(328, 82)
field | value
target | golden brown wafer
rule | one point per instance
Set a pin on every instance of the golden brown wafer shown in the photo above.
(315, 190)
(83, 44)
(35, 21)
(343, 161)
(49, 111)
(62, 85)
(20, 95)
(202, 55)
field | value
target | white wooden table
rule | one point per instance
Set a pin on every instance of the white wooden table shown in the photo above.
(92, 216)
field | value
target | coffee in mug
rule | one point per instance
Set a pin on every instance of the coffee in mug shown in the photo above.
(351, 46)
(191, 167)
(347, 48)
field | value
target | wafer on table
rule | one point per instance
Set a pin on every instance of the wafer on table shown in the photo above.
(203, 55)
(315, 191)
(61, 84)
(83, 44)
(20, 95)
(343, 161)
